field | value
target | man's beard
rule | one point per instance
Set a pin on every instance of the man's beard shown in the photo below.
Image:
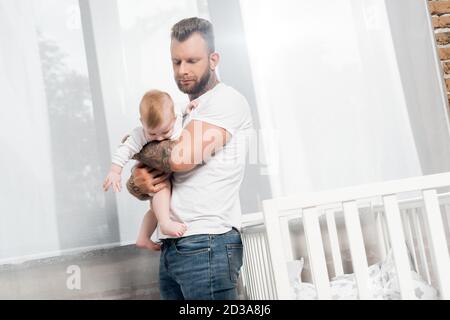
(198, 87)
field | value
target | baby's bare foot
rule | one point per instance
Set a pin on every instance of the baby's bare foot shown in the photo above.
(172, 228)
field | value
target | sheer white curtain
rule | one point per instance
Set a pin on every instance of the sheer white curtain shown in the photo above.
(27, 207)
(51, 197)
(328, 83)
(54, 138)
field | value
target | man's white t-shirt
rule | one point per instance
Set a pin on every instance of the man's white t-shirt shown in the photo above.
(206, 198)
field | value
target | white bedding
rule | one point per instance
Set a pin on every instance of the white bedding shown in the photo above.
(383, 283)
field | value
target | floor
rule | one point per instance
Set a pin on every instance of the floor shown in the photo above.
(117, 273)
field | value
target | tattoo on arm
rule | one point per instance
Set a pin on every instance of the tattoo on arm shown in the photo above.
(156, 154)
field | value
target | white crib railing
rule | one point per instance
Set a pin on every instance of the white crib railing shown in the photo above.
(419, 224)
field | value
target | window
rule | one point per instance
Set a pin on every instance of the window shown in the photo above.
(52, 132)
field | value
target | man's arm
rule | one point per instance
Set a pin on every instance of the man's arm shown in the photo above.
(156, 154)
(198, 142)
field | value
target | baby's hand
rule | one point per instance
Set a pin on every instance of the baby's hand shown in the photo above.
(113, 179)
(191, 106)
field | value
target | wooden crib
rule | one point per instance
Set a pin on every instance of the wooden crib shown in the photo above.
(409, 217)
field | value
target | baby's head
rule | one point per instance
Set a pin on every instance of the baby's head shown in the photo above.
(157, 115)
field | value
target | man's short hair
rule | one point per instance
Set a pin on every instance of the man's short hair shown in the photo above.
(183, 29)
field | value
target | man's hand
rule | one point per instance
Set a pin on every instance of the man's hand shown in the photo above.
(146, 180)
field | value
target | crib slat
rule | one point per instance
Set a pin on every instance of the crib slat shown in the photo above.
(438, 243)
(357, 250)
(275, 241)
(286, 235)
(316, 255)
(385, 233)
(380, 235)
(267, 272)
(335, 250)
(395, 229)
(447, 218)
(410, 238)
(423, 264)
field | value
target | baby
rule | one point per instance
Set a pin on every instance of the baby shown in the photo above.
(159, 122)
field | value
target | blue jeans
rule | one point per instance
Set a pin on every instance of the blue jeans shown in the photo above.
(201, 267)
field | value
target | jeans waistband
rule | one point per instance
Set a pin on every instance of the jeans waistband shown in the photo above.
(169, 241)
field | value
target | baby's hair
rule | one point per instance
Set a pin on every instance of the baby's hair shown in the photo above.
(152, 107)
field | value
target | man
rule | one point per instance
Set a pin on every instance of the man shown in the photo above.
(208, 164)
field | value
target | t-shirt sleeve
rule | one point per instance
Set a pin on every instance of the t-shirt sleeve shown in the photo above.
(132, 145)
(227, 111)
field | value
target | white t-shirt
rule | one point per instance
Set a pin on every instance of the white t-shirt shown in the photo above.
(206, 198)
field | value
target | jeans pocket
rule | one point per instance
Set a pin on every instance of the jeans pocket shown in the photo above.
(234, 253)
(189, 247)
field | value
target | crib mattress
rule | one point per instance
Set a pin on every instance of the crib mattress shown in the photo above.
(383, 284)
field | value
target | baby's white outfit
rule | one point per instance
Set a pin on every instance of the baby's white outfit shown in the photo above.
(136, 140)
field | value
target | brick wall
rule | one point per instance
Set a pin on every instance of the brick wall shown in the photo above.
(440, 13)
